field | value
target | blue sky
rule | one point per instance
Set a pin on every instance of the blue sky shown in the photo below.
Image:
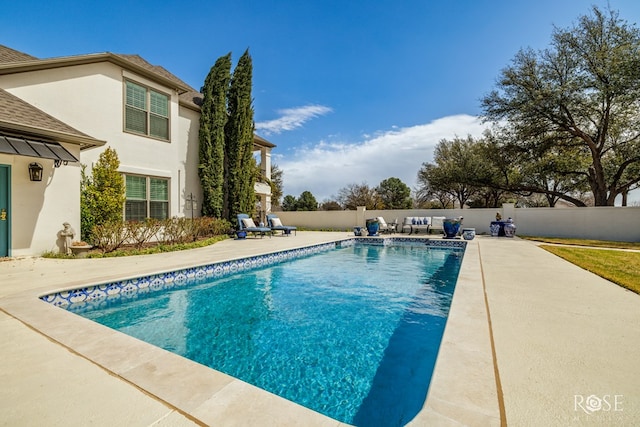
(349, 91)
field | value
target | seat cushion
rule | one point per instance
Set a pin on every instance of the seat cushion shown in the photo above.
(275, 222)
(248, 223)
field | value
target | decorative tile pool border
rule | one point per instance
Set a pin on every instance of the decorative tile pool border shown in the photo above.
(413, 241)
(130, 288)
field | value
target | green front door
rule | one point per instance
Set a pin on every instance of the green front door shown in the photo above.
(5, 217)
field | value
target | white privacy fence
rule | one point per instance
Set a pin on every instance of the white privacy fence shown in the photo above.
(601, 223)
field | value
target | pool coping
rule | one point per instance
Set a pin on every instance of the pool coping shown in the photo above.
(460, 391)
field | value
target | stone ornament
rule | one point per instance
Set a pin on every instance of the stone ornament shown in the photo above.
(66, 234)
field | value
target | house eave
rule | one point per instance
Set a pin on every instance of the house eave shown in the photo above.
(69, 61)
(261, 142)
(190, 106)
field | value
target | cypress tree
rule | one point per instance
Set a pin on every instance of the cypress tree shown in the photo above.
(239, 142)
(213, 119)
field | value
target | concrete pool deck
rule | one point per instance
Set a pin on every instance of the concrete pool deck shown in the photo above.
(557, 346)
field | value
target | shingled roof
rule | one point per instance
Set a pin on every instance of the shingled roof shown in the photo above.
(138, 60)
(11, 55)
(13, 61)
(19, 116)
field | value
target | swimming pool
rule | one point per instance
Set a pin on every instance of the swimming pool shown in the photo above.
(292, 344)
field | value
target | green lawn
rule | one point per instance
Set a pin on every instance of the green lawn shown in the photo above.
(620, 267)
(585, 242)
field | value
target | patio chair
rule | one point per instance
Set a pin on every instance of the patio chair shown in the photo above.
(437, 223)
(386, 228)
(246, 224)
(275, 224)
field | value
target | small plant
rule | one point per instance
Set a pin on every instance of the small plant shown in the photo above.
(55, 254)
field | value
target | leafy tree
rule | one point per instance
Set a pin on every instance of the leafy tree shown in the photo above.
(102, 195)
(457, 170)
(306, 202)
(289, 203)
(533, 168)
(482, 173)
(276, 185)
(213, 118)
(239, 129)
(394, 194)
(501, 174)
(354, 195)
(551, 171)
(428, 198)
(580, 97)
(330, 205)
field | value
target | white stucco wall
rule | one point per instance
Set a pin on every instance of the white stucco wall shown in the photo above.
(90, 98)
(600, 223)
(38, 209)
(188, 129)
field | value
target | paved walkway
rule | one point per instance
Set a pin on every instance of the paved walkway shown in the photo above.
(563, 343)
(562, 335)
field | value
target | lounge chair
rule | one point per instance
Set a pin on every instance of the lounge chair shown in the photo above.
(275, 224)
(246, 224)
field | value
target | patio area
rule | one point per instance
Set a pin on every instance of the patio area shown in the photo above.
(531, 340)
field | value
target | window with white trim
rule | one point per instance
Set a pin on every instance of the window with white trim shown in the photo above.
(146, 111)
(147, 197)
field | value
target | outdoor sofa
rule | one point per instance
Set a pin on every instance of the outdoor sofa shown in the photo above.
(415, 224)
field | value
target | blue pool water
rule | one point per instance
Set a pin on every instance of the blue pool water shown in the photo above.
(352, 333)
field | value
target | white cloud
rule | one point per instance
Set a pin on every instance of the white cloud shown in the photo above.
(292, 118)
(327, 167)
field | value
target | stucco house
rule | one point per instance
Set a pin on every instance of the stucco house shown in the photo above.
(59, 113)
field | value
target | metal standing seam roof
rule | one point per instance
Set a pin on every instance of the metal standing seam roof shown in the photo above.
(33, 148)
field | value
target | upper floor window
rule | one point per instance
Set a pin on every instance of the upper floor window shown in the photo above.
(146, 111)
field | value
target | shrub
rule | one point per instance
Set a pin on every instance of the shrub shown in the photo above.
(214, 226)
(141, 232)
(174, 230)
(110, 236)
